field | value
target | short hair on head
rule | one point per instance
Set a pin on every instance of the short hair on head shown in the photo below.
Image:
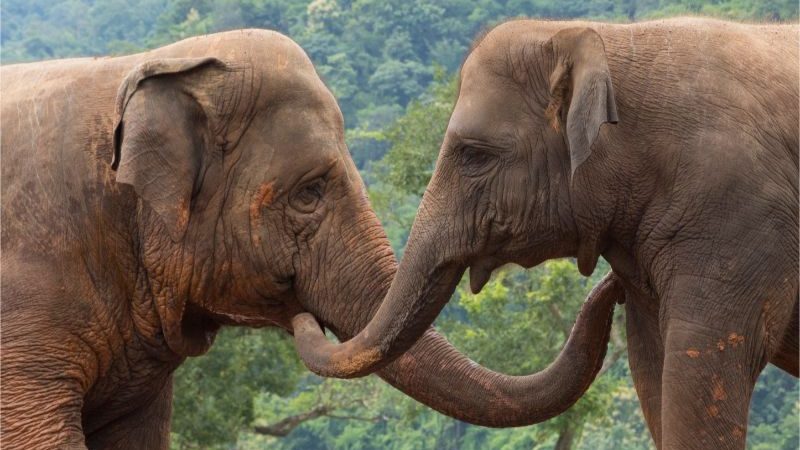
(484, 31)
(479, 38)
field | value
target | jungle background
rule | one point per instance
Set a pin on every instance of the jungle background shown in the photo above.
(392, 66)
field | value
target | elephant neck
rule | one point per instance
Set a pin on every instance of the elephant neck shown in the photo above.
(611, 198)
(168, 322)
(150, 329)
(616, 195)
(634, 162)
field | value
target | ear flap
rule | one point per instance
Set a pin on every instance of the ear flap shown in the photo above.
(160, 133)
(581, 77)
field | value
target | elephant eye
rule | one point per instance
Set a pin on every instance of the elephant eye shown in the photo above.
(476, 161)
(307, 198)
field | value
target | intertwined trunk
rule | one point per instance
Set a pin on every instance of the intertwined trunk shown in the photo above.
(399, 342)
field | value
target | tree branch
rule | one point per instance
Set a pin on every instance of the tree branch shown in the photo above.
(285, 426)
(619, 349)
(374, 419)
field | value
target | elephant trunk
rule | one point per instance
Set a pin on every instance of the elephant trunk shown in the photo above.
(434, 373)
(409, 308)
(416, 295)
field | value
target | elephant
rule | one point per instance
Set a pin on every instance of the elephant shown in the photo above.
(150, 199)
(668, 147)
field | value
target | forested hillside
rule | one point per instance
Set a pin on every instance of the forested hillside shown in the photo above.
(391, 65)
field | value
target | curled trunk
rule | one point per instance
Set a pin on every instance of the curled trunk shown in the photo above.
(422, 286)
(417, 292)
(432, 371)
(436, 374)
(393, 330)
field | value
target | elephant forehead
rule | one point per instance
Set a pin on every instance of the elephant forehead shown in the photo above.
(483, 115)
(290, 142)
(270, 50)
(307, 130)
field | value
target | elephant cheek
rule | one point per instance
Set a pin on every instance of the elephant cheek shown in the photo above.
(262, 198)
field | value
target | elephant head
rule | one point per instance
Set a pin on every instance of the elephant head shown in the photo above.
(250, 207)
(500, 193)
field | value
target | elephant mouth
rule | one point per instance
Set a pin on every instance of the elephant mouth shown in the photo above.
(480, 272)
(259, 320)
(198, 330)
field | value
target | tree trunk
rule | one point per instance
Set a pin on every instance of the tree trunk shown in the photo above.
(566, 437)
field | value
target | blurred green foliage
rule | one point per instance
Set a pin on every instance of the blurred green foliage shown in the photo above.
(214, 394)
(391, 65)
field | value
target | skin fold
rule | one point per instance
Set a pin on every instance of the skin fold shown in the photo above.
(671, 149)
(150, 199)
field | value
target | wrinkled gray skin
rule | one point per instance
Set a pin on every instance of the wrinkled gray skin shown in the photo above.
(231, 200)
(671, 149)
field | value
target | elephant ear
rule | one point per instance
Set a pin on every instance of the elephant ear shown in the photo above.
(582, 78)
(160, 133)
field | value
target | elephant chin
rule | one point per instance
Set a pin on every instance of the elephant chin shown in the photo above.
(195, 334)
(435, 373)
(479, 273)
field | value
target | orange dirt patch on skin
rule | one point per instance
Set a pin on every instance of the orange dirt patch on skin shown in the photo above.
(735, 339)
(721, 345)
(713, 410)
(263, 197)
(282, 61)
(718, 390)
(738, 433)
(361, 359)
(183, 214)
(693, 353)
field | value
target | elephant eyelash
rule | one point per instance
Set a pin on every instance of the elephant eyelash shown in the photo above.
(475, 156)
(307, 198)
(476, 161)
(315, 189)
